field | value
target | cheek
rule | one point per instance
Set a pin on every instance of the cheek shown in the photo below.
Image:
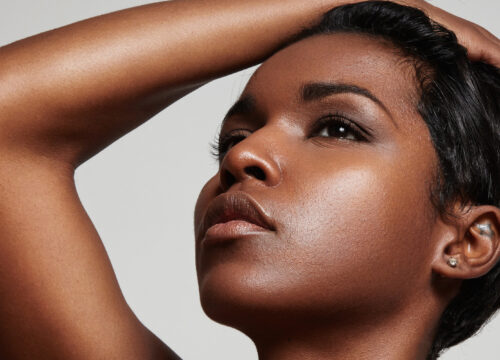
(350, 234)
(357, 231)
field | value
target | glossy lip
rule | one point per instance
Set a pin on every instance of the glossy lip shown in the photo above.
(239, 213)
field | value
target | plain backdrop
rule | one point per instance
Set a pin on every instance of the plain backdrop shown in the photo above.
(140, 193)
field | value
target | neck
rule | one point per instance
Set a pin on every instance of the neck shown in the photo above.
(406, 335)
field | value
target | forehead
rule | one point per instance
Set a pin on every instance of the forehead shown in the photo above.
(361, 60)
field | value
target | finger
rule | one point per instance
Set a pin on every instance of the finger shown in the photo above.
(480, 43)
(488, 34)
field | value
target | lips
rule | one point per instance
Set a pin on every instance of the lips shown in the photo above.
(236, 208)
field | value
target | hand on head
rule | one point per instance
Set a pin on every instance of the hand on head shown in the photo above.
(481, 44)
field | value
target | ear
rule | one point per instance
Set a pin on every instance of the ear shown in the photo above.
(472, 240)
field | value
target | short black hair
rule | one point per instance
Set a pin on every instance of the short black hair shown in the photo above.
(459, 102)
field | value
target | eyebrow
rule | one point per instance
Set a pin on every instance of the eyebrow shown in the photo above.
(309, 92)
(317, 91)
(244, 106)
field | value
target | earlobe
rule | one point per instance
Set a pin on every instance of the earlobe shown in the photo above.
(474, 249)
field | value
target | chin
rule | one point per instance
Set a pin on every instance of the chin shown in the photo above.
(249, 299)
(235, 297)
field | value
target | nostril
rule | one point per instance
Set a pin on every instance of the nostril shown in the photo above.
(227, 179)
(256, 172)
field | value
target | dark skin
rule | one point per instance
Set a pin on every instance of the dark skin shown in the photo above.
(93, 81)
(348, 270)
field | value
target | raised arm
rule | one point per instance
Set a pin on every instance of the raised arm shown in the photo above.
(65, 95)
(84, 85)
(72, 91)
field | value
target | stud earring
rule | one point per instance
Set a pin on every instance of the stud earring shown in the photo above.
(452, 262)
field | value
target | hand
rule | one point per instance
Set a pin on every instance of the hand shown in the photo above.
(481, 44)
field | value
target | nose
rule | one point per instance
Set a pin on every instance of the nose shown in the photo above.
(251, 160)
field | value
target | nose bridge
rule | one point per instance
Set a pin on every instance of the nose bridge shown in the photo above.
(256, 158)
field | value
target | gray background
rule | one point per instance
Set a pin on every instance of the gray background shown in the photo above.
(140, 193)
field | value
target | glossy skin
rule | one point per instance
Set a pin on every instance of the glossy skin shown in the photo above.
(93, 81)
(353, 218)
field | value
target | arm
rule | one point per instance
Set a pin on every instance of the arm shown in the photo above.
(93, 81)
(65, 95)
(88, 84)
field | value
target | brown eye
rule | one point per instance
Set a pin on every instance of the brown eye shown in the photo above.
(338, 127)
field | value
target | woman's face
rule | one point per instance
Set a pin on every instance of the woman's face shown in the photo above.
(327, 143)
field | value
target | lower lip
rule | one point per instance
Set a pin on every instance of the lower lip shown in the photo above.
(231, 230)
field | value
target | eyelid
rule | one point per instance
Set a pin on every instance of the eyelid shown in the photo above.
(218, 146)
(218, 149)
(338, 116)
(233, 133)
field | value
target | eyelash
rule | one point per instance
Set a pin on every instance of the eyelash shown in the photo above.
(339, 119)
(221, 145)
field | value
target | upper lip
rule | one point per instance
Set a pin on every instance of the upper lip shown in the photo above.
(235, 206)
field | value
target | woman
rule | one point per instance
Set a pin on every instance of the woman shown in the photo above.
(299, 236)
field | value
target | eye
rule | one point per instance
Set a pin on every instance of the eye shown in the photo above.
(338, 126)
(226, 141)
